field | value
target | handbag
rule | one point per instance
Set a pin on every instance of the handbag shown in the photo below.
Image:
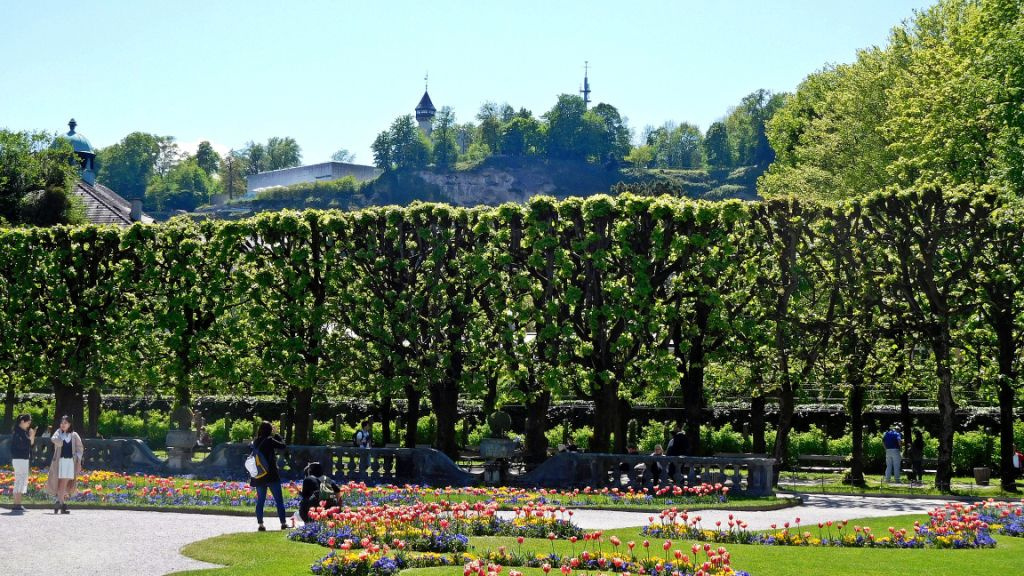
(254, 463)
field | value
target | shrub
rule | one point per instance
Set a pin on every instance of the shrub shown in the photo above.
(650, 436)
(323, 433)
(426, 427)
(581, 437)
(972, 449)
(218, 434)
(478, 433)
(723, 439)
(241, 431)
(155, 427)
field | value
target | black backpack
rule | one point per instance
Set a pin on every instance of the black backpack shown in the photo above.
(326, 492)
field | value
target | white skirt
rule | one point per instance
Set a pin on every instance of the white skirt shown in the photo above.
(67, 469)
(20, 475)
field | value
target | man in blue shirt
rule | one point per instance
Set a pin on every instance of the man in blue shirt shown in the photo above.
(893, 441)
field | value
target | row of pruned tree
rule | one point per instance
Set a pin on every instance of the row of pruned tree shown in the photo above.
(606, 299)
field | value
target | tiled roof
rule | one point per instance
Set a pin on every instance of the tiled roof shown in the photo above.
(104, 206)
(425, 104)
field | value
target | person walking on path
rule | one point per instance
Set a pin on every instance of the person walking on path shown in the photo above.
(893, 441)
(68, 452)
(917, 457)
(22, 439)
(267, 443)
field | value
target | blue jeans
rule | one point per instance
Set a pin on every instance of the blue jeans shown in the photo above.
(261, 499)
(893, 464)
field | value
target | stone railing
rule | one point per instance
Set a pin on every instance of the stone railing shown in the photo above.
(370, 465)
(750, 476)
(119, 454)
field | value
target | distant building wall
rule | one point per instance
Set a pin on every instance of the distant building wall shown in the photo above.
(323, 172)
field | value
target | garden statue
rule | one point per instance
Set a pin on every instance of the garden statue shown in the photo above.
(497, 449)
(181, 439)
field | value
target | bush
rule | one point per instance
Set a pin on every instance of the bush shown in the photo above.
(426, 428)
(323, 433)
(581, 437)
(814, 441)
(972, 449)
(155, 427)
(241, 431)
(478, 433)
(650, 436)
(723, 439)
(218, 434)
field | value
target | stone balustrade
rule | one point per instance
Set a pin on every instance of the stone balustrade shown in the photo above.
(743, 475)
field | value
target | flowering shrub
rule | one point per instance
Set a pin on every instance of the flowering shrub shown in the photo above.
(953, 526)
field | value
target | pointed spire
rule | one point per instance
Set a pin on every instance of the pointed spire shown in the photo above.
(586, 84)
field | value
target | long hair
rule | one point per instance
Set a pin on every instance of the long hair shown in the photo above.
(70, 421)
(265, 430)
(26, 417)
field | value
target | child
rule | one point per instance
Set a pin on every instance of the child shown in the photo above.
(22, 439)
(68, 452)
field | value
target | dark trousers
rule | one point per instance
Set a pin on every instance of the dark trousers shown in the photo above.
(917, 466)
(261, 499)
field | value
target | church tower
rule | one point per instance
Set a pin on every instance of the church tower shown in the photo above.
(425, 112)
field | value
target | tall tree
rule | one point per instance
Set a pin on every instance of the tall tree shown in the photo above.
(717, 149)
(128, 166)
(36, 176)
(207, 158)
(343, 155)
(444, 146)
(283, 153)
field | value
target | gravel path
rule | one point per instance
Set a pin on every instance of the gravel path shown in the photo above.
(816, 508)
(119, 542)
(107, 542)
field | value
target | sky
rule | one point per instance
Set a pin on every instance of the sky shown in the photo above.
(333, 75)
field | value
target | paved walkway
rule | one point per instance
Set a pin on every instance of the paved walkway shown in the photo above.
(119, 542)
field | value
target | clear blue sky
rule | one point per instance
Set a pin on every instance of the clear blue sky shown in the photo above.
(334, 74)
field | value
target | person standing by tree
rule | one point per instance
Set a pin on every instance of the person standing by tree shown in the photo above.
(267, 442)
(68, 452)
(893, 441)
(22, 439)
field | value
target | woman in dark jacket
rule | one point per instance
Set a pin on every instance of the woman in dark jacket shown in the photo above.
(266, 442)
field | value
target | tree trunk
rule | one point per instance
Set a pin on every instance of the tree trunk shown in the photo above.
(536, 443)
(906, 418)
(1007, 351)
(622, 426)
(288, 417)
(757, 405)
(857, 430)
(303, 413)
(412, 414)
(69, 402)
(9, 400)
(386, 415)
(94, 412)
(491, 395)
(693, 380)
(444, 397)
(786, 408)
(947, 411)
(606, 415)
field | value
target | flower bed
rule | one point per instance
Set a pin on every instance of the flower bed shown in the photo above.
(113, 488)
(1004, 517)
(953, 526)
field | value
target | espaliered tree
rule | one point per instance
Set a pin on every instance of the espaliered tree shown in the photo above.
(931, 244)
(14, 264)
(76, 290)
(290, 263)
(999, 282)
(528, 316)
(608, 282)
(694, 289)
(184, 297)
(792, 298)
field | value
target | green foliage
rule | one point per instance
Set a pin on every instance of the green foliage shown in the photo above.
(402, 147)
(218, 432)
(242, 431)
(651, 435)
(37, 173)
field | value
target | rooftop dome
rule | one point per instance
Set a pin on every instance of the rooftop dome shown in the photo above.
(78, 142)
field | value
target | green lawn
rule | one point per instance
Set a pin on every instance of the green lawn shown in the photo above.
(270, 554)
(832, 483)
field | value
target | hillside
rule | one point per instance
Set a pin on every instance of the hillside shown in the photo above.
(497, 180)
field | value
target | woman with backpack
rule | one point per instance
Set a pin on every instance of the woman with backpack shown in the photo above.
(317, 488)
(266, 443)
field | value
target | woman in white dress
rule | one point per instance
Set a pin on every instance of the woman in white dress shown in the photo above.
(68, 451)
